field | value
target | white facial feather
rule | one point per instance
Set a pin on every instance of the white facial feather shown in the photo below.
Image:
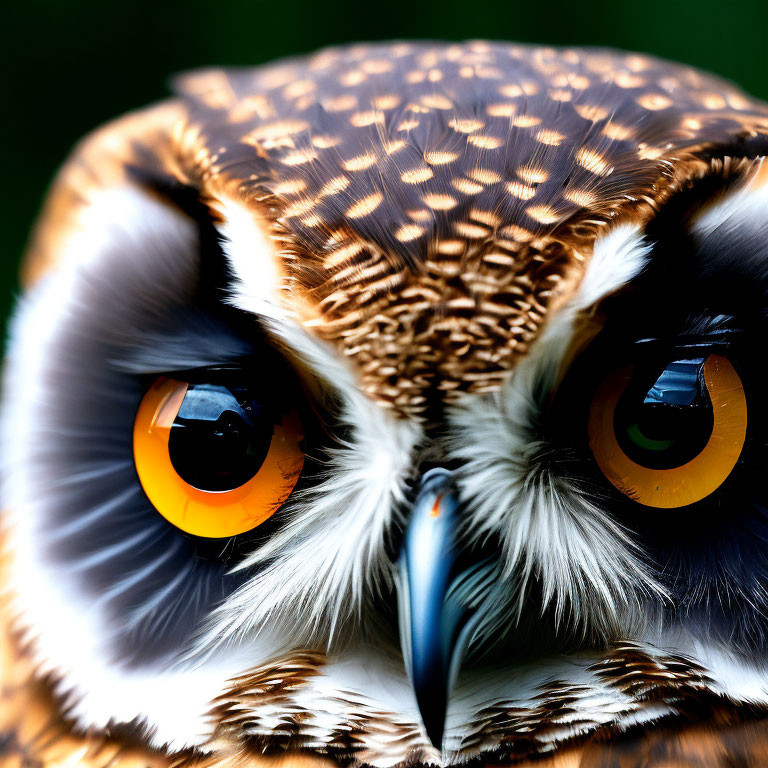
(590, 572)
(743, 207)
(314, 575)
(252, 259)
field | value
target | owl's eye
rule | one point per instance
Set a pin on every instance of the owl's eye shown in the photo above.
(669, 439)
(215, 459)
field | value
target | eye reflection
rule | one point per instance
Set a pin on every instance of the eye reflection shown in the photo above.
(220, 437)
(669, 424)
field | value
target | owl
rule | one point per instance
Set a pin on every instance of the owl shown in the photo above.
(397, 405)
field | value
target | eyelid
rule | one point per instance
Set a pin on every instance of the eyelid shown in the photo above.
(210, 373)
(714, 342)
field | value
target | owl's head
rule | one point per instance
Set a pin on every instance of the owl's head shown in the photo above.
(400, 403)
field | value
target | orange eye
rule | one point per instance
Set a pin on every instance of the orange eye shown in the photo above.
(672, 440)
(213, 459)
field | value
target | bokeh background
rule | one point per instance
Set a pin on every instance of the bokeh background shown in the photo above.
(69, 65)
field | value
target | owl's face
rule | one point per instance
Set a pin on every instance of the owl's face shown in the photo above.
(402, 403)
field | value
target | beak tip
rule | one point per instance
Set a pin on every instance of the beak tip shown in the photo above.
(435, 735)
(433, 720)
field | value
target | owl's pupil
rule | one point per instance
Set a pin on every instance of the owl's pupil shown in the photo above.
(220, 437)
(669, 423)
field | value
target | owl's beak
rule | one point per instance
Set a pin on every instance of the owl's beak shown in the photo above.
(434, 625)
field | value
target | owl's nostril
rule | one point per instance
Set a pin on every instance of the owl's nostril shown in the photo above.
(435, 622)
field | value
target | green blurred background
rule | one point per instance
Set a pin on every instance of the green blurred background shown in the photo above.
(72, 65)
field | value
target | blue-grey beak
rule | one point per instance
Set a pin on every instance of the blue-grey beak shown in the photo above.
(435, 623)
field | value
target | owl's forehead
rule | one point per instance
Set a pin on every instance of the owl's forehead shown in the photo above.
(432, 204)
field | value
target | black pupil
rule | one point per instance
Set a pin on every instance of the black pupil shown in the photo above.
(220, 437)
(665, 420)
